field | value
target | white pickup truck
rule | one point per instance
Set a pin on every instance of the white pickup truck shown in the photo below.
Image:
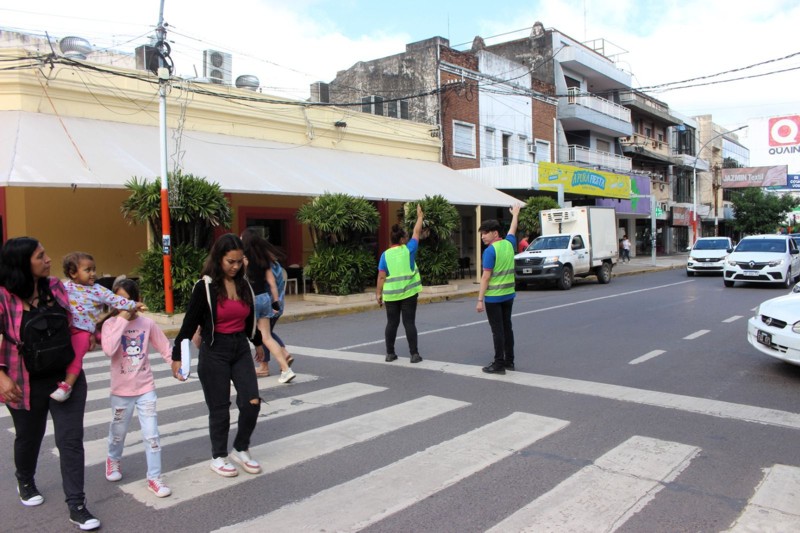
(575, 242)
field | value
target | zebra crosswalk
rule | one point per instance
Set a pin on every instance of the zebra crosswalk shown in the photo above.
(602, 494)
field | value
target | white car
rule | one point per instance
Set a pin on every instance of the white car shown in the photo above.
(775, 329)
(763, 259)
(708, 255)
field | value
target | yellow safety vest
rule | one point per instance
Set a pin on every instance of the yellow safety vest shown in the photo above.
(402, 282)
(502, 281)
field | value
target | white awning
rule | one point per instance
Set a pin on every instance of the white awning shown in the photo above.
(39, 150)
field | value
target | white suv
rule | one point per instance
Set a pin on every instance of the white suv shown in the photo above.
(764, 259)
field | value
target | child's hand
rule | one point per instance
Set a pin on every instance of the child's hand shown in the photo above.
(140, 306)
(92, 343)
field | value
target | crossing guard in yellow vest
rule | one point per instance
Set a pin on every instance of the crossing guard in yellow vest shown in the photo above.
(496, 295)
(398, 287)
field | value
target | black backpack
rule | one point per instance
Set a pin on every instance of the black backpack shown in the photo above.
(45, 341)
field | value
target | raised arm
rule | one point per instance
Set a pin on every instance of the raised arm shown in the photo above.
(418, 225)
(512, 229)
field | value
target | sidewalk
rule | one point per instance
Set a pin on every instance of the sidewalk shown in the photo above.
(304, 307)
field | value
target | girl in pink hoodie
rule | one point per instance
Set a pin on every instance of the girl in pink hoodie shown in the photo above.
(126, 338)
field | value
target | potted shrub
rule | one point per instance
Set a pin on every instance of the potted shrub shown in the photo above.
(437, 257)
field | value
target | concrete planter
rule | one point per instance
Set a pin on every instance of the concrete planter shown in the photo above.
(439, 290)
(364, 297)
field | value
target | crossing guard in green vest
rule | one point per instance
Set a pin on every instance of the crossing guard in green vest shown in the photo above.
(398, 286)
(496, 295)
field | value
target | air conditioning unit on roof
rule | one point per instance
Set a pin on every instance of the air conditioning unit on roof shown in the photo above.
(531, 147)
(217, 67)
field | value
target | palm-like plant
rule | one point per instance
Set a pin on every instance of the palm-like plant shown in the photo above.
(341, 263)
(529, 223)
(438, 256)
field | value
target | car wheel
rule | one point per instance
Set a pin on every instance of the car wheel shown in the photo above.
(604, 273)
(789, 278)
(728, 282)
(689, 273)
(565, 281)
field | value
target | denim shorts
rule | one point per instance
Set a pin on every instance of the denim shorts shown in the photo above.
(263, 305)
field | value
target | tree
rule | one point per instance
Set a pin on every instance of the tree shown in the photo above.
(341, 227)
(196, 208)
(437, 256)
(529, 215)
(758, 212)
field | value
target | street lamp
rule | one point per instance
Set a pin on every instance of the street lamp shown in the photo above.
(694, 178)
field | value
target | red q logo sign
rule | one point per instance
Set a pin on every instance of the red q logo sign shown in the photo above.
(784, 131)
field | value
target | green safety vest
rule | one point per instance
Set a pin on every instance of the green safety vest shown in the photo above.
(502, 281)
(402, 282)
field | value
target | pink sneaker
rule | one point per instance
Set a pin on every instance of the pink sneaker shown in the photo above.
(113, 471)
(158, 487)
(61, 394)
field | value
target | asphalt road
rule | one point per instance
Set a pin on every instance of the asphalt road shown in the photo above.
(636, 406)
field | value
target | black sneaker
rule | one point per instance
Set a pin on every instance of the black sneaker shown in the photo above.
(510, 366)
(29, 495)
(81, 517)
(494, 368)
(415, 358)
(390, 357)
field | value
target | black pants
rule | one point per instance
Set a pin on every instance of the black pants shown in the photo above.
(68, 426)
(228, 360)
(408, 309)
(499, 316)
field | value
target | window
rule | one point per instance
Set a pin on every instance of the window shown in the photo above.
(394, 106)
(542, 151)
(506, 148)
(488, 147)
(603, 146)
(463, 139)
(372, 105)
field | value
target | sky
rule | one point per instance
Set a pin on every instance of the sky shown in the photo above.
(291, 44)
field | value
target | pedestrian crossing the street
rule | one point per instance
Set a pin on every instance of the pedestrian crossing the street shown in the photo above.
(602, 494)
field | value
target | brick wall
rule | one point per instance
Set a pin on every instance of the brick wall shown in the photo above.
(459, 103)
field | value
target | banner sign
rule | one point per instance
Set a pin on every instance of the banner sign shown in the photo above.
(577, 180)
(754, 176)
(637, 205)
(681, 216)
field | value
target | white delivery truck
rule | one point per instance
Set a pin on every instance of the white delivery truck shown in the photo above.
(575, 242)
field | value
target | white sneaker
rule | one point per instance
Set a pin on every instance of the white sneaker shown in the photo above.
(221, 466)
(158, 487)
(62, 392)
(250, 465)
(287, 376)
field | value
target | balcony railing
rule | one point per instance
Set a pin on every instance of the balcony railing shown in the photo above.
(576, 97)
(585, 156)
(648, 143)
(643, 100)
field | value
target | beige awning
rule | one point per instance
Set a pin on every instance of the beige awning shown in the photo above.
(39, 150)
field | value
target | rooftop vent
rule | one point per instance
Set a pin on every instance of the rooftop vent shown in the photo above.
(248, 81)
(75, 47)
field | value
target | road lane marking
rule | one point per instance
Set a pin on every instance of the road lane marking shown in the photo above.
(198, 480)
(604, 495)
(523, 313)
(734, 318)
(689, 404)
(696, 334)
(388, 490)
(775, 504)
(647, 356)
(103, 416)
(197, 427)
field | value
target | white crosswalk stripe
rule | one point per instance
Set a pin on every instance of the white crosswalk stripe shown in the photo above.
(198, 479)
(602, 496)
(103, 416)
(197, 427)
(395, 487)
(774, 506)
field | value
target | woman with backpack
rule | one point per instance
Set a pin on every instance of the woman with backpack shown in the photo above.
(28, 375)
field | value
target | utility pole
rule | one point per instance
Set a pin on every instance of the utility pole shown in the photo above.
(163, 81)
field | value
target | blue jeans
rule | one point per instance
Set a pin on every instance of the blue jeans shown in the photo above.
(121, 414)
(228, 360)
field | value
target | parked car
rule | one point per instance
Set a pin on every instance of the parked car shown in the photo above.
(763, 259)
(775, 328)
(708, 255)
